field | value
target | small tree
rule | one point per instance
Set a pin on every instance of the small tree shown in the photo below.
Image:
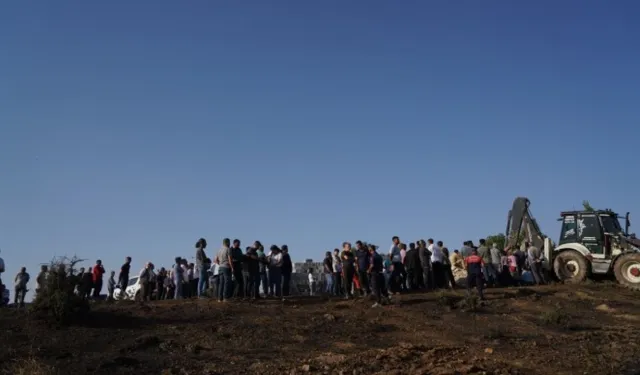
(56, 300)
(587, 206)
(499, 239)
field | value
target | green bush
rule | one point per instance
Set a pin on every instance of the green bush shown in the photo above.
(57, 301)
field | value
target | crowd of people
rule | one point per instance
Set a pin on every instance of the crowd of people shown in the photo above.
(347, 273)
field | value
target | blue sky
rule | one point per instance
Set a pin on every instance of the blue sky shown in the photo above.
(134, 128)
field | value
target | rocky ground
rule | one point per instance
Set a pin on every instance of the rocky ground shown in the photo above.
(591, 329)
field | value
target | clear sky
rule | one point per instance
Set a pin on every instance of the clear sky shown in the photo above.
(134, 128)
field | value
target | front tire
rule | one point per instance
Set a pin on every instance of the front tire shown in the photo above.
(571, 267)
(627, 270)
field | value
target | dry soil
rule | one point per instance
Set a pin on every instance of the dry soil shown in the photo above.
(590, 329)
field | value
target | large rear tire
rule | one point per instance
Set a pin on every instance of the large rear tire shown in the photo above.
(627, 270)
(571, 267)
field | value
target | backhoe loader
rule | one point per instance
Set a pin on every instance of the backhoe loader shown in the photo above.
(591, 242)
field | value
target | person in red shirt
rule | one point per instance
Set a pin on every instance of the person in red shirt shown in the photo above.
(98, 271)
(474, 265)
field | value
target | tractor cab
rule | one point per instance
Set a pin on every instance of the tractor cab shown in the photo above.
(599, 232)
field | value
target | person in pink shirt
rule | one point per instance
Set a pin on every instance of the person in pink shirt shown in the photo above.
(512, 263)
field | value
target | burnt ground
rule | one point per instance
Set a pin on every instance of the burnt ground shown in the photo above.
(590, 329)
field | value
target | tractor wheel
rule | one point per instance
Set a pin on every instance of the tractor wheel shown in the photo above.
(627, 270)
(571, 267)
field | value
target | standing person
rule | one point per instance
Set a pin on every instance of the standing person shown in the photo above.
(1, 283)
(535, 263)
(413, 267)
(224, 261)
(87, 280)
(202, 266)
(436, 263)
(287, 269)
(312, 282)
(252, 278)
(275, 271)
(403, 271)
(262, 267)
(450, 280)
(246, 277)
(21, 281)
(512, 266)
(395, 255)
(376, 275)
(474, 264)
(337, 272)
(111, 285)
(41, 280)
(425, 262)
(485, 254)
(348, 268)
(123, 277)
(160, 289)
(457, 267)
(178, 278)
(496, 262)
(327, 269)
(98, 272)
(169, 286)
(193, 281)
(144, 279)
(237, 258)
(388, 268)
(363, 257)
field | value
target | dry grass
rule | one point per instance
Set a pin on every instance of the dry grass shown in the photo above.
(30, 366)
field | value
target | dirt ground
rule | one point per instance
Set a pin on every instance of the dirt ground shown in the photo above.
(590, 329)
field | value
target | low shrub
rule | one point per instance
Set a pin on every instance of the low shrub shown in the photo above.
(57, 300)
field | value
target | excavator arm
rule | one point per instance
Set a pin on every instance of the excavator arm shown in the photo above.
(521, 226)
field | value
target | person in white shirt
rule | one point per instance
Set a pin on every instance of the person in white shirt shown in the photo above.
(436, 263)
(312, 283)
(275, 271)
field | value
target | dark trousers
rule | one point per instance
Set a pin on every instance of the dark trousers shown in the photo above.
(438, 274)
(475, 279)
(378, 286)
(413, 278)
(238, 282)
(97, 288)
(145, 290)
(275, 281)
(224, 288)
(363, 276)
(21, 292)
(286, 284)
(123, 281)
(253, 285)
(160, 291)
(397, 281)
(449, 278)
(427, 278)
(337, 283)
(347, 276)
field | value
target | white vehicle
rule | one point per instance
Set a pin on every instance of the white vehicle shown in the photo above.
(131, 292)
